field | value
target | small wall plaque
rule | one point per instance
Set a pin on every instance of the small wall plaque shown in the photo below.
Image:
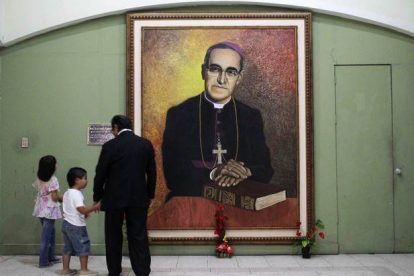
(99, 134)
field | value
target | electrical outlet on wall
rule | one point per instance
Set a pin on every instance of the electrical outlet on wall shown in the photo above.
(25, 142)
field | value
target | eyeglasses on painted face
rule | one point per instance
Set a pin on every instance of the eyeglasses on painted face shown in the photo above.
(217, 71)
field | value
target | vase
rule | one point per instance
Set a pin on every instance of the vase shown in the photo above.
(306, 252)
(223, 255)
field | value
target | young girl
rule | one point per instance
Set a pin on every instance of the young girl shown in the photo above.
(47, 208)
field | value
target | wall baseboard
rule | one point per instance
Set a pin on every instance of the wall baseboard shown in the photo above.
(33, 249)
(173, 250)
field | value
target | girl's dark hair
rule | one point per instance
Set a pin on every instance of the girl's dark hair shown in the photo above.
(74, 173)
(47, 167)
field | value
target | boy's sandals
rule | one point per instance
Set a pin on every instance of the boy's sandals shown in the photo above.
(88, 273)
(69, 272)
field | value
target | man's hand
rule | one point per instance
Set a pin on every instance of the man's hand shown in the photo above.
(231, 173)
(99, 208)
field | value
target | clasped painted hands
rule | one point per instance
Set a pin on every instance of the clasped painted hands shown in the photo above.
(231, 173)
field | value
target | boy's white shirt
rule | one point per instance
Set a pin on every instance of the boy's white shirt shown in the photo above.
(73, 199)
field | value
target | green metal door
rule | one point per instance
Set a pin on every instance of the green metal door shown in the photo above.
(364, 159)
(403, 121)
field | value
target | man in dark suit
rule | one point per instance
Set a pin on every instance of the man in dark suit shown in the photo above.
(125, 184)
(213, 136)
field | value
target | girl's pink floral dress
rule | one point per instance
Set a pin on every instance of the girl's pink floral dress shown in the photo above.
(45, 207)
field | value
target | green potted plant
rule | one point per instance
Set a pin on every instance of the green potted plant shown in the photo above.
(309, 240)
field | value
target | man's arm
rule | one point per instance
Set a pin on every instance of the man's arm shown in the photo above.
(151, 173)
(101, 174)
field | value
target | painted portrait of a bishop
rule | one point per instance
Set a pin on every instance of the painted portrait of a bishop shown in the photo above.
(213, 136)
(222, 114)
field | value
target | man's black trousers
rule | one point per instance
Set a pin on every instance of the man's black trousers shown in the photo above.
(136, 220)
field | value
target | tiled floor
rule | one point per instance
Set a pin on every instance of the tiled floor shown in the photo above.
(326, 265)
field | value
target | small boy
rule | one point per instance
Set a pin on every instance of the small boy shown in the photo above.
(76, 237)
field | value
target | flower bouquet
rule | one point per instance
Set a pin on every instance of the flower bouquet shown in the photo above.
(223, 248)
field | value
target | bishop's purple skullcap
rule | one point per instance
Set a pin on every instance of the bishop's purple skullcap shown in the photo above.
(233, 46)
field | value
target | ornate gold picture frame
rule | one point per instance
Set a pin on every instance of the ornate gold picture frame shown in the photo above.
(165, 57)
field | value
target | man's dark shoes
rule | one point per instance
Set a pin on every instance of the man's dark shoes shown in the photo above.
(55, 260)
(46, 265)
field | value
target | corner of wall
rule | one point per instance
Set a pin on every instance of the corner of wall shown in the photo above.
(1, 193)
(2, 23)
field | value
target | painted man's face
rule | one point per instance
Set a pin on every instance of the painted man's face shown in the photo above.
(220, 88)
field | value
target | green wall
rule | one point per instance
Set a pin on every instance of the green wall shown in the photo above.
(53, 85)
(1, 193)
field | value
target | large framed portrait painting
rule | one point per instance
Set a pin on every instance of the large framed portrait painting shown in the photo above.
(226, 100)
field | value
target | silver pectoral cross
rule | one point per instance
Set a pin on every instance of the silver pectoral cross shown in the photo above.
(219, 151)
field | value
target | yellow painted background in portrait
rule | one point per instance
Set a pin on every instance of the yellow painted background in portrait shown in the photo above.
(171, 73)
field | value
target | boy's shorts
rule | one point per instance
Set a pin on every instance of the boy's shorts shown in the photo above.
(76, 239)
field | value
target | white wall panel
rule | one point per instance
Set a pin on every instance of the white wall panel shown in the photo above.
(21, 19)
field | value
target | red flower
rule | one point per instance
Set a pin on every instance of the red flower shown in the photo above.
(221, 247)
(298, 223)
(220, 207)
(230, 250)
(322, 235)
(314, 229)
(298, 233)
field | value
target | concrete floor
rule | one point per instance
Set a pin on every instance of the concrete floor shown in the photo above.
(328, 265)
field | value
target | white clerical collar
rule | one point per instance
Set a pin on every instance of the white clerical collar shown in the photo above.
(125, 129)
(216, 105)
